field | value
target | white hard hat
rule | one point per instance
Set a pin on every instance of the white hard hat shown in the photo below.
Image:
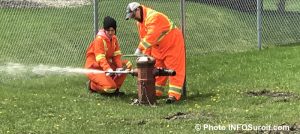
(131, 7)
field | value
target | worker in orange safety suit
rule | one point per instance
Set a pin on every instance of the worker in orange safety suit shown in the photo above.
(104, 54)
(161, 39)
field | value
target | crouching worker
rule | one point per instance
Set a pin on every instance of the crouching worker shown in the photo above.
(104, 54)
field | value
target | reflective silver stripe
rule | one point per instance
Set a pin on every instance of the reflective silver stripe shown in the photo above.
(175, 89)
(164, 33)
(99, 57)
(112, 90)
(128, 64)
(159, 88)
(117, 53)
(151, 13)
(175, 92)
(105, 46)
(146, 44)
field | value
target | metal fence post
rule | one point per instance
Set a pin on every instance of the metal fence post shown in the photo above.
(182, 12)
(259, 23)
(95, 17)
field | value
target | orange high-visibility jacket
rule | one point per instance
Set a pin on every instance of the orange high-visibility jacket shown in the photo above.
(153, 29)
(103, 52)
(166, 41)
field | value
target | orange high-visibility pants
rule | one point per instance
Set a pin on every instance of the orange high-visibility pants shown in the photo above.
(106, 84)
(173, 58)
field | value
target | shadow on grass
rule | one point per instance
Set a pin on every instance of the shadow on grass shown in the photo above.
(195, 97)
(280, 13)
(288, 45)
(128, 97)
(199, 97)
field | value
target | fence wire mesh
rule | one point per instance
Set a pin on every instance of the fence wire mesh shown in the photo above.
(45, 31)
(281, 22)
(58, 32)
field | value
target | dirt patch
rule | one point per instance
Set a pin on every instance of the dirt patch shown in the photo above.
(295, 127)
(292, 129)
(190, 115)
(269, 93)
(178, 115)
(42, 3)
(278, 96)
(21, 4)
(142, 122)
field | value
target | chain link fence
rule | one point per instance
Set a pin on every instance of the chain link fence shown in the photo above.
(45, 31)
(58, 32)
(281, 22)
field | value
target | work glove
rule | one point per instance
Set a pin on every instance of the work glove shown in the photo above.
(108, 72)
(119, 69)
(138, 52)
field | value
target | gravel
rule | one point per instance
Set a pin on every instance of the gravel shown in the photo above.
(42, 3)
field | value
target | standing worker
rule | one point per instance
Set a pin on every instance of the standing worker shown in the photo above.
(104, 54)
(161, 39)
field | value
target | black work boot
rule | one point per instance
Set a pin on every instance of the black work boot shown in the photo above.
(171, 100)
(118, 93)
(88, 87)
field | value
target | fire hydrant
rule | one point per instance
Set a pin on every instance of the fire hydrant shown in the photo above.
(146, 73)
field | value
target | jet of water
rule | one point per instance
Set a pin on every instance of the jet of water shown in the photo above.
(16, 68)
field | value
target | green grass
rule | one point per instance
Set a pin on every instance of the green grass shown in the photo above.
(217, 86)
(217, 82)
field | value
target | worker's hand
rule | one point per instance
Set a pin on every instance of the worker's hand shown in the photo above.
(138, 52)
(109, 72)
(119, 69)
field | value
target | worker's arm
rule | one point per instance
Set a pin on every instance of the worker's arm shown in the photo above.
(117, 55)
(156, 26)
(100, 54)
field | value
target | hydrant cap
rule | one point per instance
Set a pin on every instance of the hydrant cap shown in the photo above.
(145, 61)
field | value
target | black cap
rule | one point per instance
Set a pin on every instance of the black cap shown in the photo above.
(109, 22)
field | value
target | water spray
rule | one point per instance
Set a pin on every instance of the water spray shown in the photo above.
(18, 69)
(145, 73)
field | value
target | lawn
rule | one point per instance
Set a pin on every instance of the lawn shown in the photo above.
(228, 80)
(254, 87)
